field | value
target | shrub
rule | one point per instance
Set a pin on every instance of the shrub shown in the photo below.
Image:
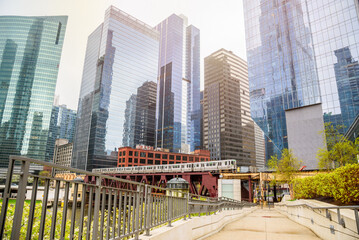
(342, 184)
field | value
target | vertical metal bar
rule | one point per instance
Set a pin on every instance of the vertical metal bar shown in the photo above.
(169, 209)
(32, 208)
(103, 203)
(187, 204)
(73, 211)
(152, 204)
(129, 212)
(20, 199)
(54, 211)
(109, 207)
(114, 214)
(142, 213)
(44, 208)
(134, 200)
(64, 212)
(6, 196)
(119, 215)
(137, 211)
(147, 213)
(96, 208)
(89, 215)
(356, 218)
(124, 214)
(82, 214)
(338, 213)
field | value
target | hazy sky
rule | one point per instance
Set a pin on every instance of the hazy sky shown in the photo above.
(220, 22)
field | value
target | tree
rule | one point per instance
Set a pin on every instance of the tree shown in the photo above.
(339, 152)
(286, 168)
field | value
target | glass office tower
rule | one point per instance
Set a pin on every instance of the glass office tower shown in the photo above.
(178, 96)
(30, 51)
(62, 126)
(301, 53)
(116, 105)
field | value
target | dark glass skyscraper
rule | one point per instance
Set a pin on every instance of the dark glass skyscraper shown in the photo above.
(178, 96)
(30, 51)
(118, 86)
(301, 53)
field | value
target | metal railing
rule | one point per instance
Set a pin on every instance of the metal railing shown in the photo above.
(103, 207)
(328, 215)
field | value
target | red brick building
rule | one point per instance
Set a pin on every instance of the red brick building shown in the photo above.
(128, 156)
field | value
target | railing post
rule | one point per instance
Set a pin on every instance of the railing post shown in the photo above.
(148, 206)
(96, 208)
(357, 219)
(169, 209)
(6, 196)
(137, 213)
(187, 204)
(20, 199)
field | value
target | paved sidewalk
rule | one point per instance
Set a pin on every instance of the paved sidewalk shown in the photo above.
(264, 224)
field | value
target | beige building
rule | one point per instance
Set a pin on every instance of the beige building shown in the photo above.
(260, 147)
(228, 129)
(63, 153)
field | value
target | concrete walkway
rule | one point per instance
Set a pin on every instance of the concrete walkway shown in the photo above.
(264, 224)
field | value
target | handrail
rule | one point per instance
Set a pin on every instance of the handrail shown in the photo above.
(109, 207)
(340, 221)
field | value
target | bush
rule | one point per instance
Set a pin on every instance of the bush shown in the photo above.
(342, 184)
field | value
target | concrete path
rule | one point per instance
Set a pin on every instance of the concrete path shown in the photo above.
(264, 224)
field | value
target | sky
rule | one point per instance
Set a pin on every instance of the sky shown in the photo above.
(221, 23)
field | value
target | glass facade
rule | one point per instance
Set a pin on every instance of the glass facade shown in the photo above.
(178, 106)
(62, 126)
(117, 97)
(30, 51)
(301, 52)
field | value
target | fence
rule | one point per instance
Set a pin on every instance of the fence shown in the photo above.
(103, 207)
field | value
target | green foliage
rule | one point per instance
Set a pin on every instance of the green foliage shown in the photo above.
(342, 184)
(286, 168)
(339, 152)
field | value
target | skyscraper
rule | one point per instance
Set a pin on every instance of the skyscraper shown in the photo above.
(121, 60)
(30, 51)
(228, 129)
(62, 126)
(299, 53)
(178, 95)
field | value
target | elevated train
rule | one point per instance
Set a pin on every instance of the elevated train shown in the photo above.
(211, 166)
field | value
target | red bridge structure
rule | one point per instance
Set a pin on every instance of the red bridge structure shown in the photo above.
(201, 183)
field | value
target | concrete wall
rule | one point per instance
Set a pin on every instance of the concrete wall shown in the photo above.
(236, 188)
(304, 138)
(318, 222)
(197, 227)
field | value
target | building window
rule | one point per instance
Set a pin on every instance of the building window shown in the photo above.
(130, 153)
(164, 156)
(164, 162)
(136, 160)
(178, 157)
(124, 153)
(202, 159)
(197, 159)
(172, 157)
(157, 162)
(143, 161)
(158, 155)
(172, 162)
(191, 159)
(136, 154)
(142, 154)
(130, 160)
(150, 155)
(184, 158)
(150, 161)
(120, 154)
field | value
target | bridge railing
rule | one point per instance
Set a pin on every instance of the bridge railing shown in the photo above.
(47, 206)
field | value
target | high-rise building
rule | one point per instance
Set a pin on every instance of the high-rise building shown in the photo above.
(228, 129)
(30, 51)
(178, 95)
(62, 126)
(63, 154)
(121, 64)
(302, 57)
(259, 146)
